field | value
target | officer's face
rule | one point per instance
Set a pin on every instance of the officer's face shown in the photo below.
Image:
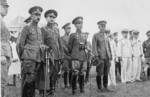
(148, 35)
(36, 17)
(4, 10)
(136, 36)
(50, 19)
(67, 30)
(102, 27)
(125, 35)
(79, 25)
(115, 37)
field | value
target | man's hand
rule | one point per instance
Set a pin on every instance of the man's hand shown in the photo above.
(43, 46)
(141, 55)
(3, 60)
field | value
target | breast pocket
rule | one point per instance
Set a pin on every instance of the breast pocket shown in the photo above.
(101, 42)
(32, 35)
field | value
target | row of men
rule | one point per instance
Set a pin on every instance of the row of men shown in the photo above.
(71, 51)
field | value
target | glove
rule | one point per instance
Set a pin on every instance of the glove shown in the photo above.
(3, 60)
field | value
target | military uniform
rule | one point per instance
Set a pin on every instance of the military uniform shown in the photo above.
(67, 62)
(6, 51)
(101, 50)
(146, 51)
(30, 53)
(137, 57)
(125, 52)
(76, 46)
(52, 40)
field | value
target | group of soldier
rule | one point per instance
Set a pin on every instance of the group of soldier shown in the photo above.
(44, 55)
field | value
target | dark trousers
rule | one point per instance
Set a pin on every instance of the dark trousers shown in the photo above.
(102, 70)
(29, 73)
(118, 67)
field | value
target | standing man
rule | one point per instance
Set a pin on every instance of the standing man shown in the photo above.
(67, 63)
(102, 52)
(76, 46)
(30, 47)
(137, 56)
(51, 37)
(117, 61)
(89, 57)
(6, 52)
(146, 51)
(125, 55)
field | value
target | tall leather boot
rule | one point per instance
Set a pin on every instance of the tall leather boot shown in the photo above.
(66, 79)
(148, 72)
(81, 83)
(105, 84)
(52, 87)
(70, 77)
(98, 80)
(74, 84)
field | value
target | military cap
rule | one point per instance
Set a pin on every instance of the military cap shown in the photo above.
(4, 2)
(66, 25)
(135, 32)
(78, 19)
(124, 31)
(115, 33)
(27, 20)
(147, 32)
(102, 22)
(35, 9)
(86, 33)
(51, 12)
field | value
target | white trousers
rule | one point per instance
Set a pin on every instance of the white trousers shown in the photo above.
(136, 70)
(112, 75)
(126, 70)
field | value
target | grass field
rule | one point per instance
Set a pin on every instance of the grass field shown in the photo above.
(135, 89)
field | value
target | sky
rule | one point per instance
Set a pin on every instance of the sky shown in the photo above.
(119, 14)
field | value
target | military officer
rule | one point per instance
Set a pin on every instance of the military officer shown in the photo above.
(6, 53)
(67, 63)
(89, 57)
(28, 20)
(76, 46)
(30, 52)
(52, 39)
(137, 56)
(101, 50)
(146, 51)
(125, 54)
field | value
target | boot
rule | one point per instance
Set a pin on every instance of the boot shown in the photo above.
(98, 80)
(105, 84)
(148, 72)
(74, 84)
(52, 87)
(81, 83)
(66, 79)
(2, 92)
(70, 78)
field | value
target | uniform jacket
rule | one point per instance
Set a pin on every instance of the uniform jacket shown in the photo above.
(101, 46)
(64, 40)
(6, 49)
(76, 46)
(124, 48)
(146, 48)
(52, 40)
(30, 42)
(137, 48)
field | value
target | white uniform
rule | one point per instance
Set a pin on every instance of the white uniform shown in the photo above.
(112, 75)
(124, 50)
(137, 52)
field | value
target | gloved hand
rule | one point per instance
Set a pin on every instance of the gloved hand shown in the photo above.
(3, 60)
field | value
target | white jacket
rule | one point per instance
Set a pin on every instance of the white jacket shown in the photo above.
(137, 48)
(124, 48)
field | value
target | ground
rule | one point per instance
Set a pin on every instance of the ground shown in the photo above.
(135, 89)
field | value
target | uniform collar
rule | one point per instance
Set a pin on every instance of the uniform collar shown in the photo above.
(50, 25)
(34, 23)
